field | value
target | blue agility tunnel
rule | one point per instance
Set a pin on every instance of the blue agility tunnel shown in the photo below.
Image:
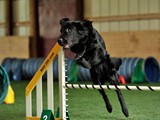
(4, 84)
(138, 70)
(151, 70)
(133, 69)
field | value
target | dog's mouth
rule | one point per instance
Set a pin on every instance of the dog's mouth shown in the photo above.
(66, 44)
(69, 45)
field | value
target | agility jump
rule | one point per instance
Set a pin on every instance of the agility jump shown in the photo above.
(37, 82)
(112, 87)
(63, 85)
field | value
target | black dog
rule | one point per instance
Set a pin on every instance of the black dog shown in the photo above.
(90, 50)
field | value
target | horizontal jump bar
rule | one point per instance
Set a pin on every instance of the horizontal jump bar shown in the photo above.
(113, 87)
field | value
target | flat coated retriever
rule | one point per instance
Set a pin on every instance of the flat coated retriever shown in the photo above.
(82, 39)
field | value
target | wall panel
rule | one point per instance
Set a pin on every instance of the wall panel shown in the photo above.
(123, 10)
(123, 7)
(21, 14)
(2, 31)
(104, 7)
(2, 18)
(123, 26)
(154, 7)
(2, 11)
(15, 47)
(116, 8)
(133, 44)
(104, 26)
(87, 8)
(143, 6)
(133, 9)
(144, 25)
(95, 5)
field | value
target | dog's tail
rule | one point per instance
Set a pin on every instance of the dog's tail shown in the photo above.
(116, 62)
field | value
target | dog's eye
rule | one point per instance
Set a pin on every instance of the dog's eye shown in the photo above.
(68, 30)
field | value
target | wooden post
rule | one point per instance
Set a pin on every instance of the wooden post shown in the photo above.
(9, 17)
(34, 26)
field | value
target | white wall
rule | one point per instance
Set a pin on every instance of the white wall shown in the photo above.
(100, 8)
(2, 18)
(20, 14)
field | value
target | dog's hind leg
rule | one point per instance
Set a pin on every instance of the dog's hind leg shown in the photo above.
(120, 97)
(123, 105)
(96, 80)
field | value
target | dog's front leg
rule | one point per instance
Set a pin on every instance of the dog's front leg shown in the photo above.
(83, 63)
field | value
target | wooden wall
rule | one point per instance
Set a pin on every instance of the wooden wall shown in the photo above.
(14, 47)
(133, 44)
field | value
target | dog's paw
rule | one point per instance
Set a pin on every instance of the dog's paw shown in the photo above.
(109, 108)
(125, 112)
(83, 63)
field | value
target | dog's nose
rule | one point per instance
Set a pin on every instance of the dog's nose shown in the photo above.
(60, 41)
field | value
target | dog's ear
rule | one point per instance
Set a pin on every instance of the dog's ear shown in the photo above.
(64, 20)
(88, 24)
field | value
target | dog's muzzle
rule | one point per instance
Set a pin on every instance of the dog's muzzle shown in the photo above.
(62, 41)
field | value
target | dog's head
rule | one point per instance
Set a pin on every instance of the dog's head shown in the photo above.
(73, 32)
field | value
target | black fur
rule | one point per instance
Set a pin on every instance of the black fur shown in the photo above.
(90, 50)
